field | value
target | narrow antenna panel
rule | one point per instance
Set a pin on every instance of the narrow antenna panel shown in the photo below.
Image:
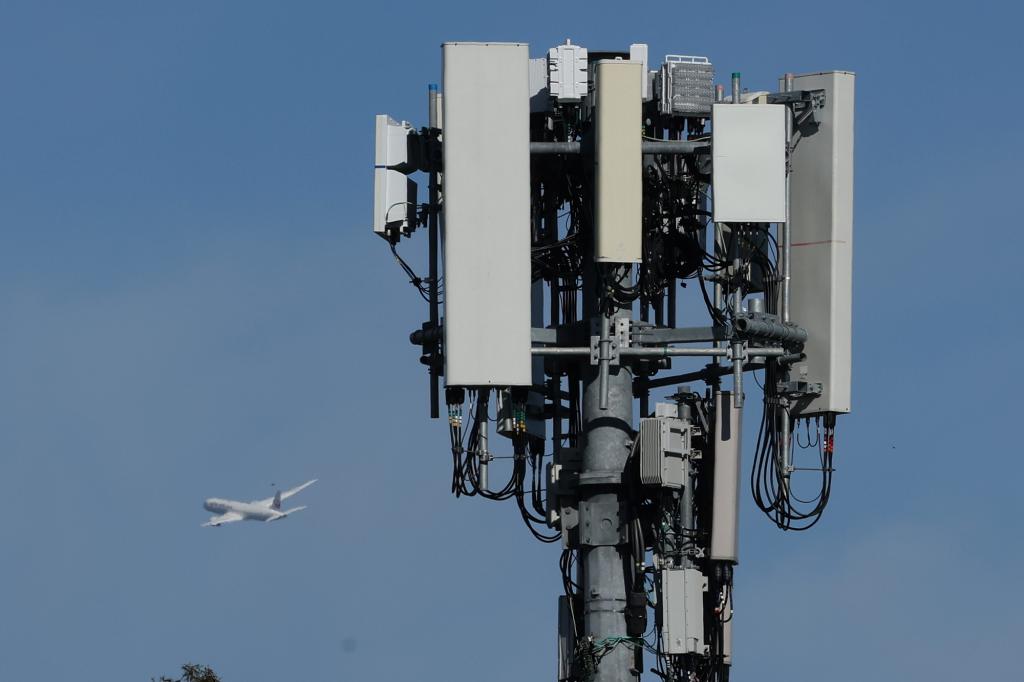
(486, 148)
(618, 162)
(725, 512)
(540, 93)
(638, 53)
(821, 216)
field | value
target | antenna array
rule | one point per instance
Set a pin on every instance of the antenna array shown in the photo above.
(585, 206)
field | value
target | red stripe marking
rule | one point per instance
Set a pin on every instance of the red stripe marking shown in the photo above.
(826, 241)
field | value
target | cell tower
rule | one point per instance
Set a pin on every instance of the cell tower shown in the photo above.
(585, 205)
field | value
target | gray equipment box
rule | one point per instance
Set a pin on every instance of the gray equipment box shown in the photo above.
(682, 610)
(821, 219)
(664, 446)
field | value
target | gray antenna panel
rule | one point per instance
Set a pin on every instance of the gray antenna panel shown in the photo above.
(486, 149)
(821, 216)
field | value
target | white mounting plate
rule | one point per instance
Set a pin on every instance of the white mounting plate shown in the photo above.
(748, 153)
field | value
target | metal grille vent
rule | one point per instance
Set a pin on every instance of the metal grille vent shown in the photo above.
(690, 88)
(663, 440)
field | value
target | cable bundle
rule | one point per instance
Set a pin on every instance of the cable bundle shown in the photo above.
(466, 472)
(770, 481)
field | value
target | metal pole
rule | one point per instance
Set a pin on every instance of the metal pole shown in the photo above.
(737, 346)
(481, 419)
(658, 351)
(605, 365)
(645, 394)
(432, 109)
(785, 436)
(787, 242)
(551, 227)
(607, 439)
(786, 236)
(687, 506)
(647, 147)
(670, 298)
(432, 245)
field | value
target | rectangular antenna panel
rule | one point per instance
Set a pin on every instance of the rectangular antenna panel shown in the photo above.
(821, 271)
(540, 94)
(618, 162)
(486, 149)
(725, 499)
(748, 155)
(638, 53)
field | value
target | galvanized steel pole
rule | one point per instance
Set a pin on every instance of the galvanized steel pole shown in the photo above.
(607, 439)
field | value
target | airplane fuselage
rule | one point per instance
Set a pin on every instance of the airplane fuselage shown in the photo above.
(229, 511)
(249, 510)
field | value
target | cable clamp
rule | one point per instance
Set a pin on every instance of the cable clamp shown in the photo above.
(799, 389)
(612, 355)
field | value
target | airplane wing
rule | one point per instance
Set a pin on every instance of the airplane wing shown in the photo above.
(288, 493)
(226, 517)
(286, 513)
(285, 495)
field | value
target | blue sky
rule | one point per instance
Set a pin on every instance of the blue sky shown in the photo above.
(193, 304)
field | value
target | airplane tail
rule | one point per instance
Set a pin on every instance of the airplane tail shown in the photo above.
(286, 513)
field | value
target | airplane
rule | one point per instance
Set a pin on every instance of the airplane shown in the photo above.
(269, 509)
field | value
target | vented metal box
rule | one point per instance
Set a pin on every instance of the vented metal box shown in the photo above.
(664, 445)
(687, 86)
(619, 165)
(486, 148)
(821, 215)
